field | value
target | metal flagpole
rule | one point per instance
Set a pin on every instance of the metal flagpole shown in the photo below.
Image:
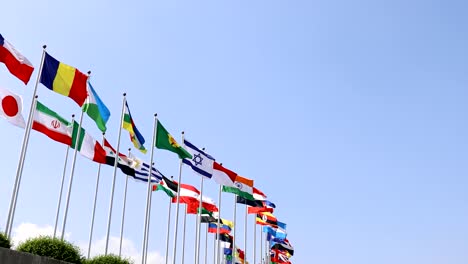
(95, 202)
(197, 240)
(149, 218)
(148, 194)
(206, 245)
(214, 249)
(61, 185)
(19, 169)
(70, 183)
(234, 232)
(218, 243)
(123, 210)
(261, 241)
(245, 234)
(109, 220)
(168, 229)
(177, 209)
(255, 241)
(183, 236)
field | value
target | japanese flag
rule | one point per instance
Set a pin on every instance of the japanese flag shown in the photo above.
(11, 106)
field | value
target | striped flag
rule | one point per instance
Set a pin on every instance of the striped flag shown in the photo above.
(135, 135)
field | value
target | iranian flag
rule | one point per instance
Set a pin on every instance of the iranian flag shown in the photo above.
(59, 129)
(242, 187)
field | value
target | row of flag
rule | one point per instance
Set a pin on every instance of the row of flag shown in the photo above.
(69, 81)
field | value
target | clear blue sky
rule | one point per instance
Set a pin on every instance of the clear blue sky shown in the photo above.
(350, 115)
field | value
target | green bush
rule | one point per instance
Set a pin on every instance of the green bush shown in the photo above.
(4, 241)
(52, 248)
(109, 259)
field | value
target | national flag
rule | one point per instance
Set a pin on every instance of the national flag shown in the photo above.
(223, 229)
(142, 172)
(258, 195)
(168, 186)
(16, 63)
(135, 135)
(166, 141)
(267, 219)
(256, 210)
(284, 245)
(11, 106)
(253, 203)
(207, 204)
(222, 175)
(64, 79)
(278, 256)
(96, 109)
(242, 187)
(201, 162)
(124, 163)
(52, 124)
(269, 204)
(225, 240)
(208, 217)
(188, 195)
(87, 145)
(275, 232)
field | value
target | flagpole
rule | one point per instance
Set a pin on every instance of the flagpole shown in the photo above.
(218, 243)
(261, 241)
(95, 202)
(149, 191)
(255, 241)
(168, 229)
(70, 183)
(177, 208)
(245, 234)
(197, 240)
(206, 245)
(234, 232)
(123, 210)
(109, 219)
(19, 169)
(61, 185)
(183, 236)
(214, 247)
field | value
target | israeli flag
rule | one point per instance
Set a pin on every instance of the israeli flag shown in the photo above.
(201, 162)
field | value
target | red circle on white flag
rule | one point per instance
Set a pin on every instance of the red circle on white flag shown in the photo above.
(10, 106)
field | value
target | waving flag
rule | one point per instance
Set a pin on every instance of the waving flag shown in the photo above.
(64, 79)
(243, 187)
(201, 162)
(17, 64)
(168, 186)
(166, 141)
(223, 176)
(11, 106)
(135, 135)
(96, 109)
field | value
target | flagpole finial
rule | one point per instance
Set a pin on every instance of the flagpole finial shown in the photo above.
(124, 94)
(73, 115)
(89, 72)
(44, 46)
(183, 132)
(103, 133)
(37, 96)
(172, 177)
(129, 149)
(156, 114)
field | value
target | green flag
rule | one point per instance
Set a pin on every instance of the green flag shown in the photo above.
(164, 140)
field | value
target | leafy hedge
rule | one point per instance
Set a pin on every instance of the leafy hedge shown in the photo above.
(109, 259)
(4, 241)
(52, 248)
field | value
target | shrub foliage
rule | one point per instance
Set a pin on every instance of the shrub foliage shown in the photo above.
(109, 259)
(4, 241)
(53, 248)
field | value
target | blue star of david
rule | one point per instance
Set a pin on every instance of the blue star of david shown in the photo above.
(197, 158)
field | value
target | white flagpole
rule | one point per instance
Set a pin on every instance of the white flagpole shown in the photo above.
(61, 185)
(218, 243)
(149, 216)
(109, 220)
(168, 229)
(95, 202)
(197, 240)
(123, 210)
(214, 248)
(24, 147)
(183, 236)
(261, 241)
(206, 244)
(174, 257)
(255, 241)
(70, 183)
(148, 194)
(234, 232)
(245, 234)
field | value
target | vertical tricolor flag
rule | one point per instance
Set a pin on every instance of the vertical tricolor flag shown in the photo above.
(96, 109)
(64, 79)
(201, 162)
(17, 64)
(135, 135)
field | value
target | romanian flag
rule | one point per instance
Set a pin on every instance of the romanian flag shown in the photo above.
(135, 135)
(64, 79)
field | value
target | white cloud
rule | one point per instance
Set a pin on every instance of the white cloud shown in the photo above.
(25, 231)
(129, 250)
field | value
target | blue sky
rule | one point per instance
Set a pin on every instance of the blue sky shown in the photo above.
(349, 115)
